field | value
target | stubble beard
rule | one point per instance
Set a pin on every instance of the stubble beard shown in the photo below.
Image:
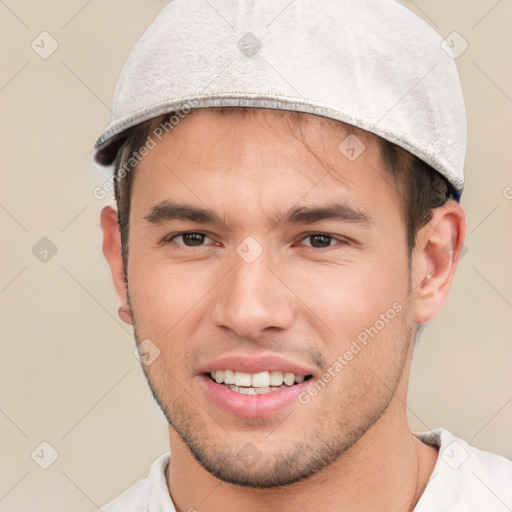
(326, 437)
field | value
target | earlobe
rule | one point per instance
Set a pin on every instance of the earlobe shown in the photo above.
(112, 252)
(438, 249)
(125, 314)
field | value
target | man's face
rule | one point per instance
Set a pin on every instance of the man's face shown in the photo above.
(301, 263)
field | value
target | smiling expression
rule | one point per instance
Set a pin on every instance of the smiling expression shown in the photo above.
(258, 253)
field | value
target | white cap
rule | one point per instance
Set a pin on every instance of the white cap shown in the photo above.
(369, 63)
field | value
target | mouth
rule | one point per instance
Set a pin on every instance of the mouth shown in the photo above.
(254, 395)
(255, 385)
(260, 383)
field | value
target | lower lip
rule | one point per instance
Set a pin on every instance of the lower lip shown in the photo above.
(251, 406)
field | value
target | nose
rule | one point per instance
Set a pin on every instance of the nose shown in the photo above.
(251, 300)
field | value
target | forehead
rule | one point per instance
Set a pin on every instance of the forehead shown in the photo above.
(263, 143)
(307, 129)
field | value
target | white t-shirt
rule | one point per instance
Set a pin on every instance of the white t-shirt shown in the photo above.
(464, 479)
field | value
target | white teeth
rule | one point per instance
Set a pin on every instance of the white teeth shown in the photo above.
(242, 379)
(276, 378)
(289, 379)
(262, 382)
(255, 391)
(229, 377)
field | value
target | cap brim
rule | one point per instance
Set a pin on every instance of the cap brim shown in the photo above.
(105, 151)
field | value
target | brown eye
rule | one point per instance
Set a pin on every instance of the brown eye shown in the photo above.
(189, 239)
(320, 241)
(323, 241)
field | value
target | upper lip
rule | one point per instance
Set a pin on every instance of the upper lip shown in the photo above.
(255, 363)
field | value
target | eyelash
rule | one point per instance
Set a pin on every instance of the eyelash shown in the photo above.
(340, 240)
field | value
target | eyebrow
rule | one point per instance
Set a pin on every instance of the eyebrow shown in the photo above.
(168, 210)
(310, 215)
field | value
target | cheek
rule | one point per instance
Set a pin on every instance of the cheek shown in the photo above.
(165, 297)
(346, 298)
(166, 303)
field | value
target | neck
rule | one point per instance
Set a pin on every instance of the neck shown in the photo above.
(387, 465)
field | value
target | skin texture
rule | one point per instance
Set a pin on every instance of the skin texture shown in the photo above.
(350, 443)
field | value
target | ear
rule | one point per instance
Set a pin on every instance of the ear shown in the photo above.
(439, 246)
(112, 252)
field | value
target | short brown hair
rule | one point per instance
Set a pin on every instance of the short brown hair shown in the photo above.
(421, 188)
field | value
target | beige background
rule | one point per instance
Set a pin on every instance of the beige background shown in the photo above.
(68, 375)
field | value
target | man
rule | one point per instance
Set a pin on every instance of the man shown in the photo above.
(287, 183)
